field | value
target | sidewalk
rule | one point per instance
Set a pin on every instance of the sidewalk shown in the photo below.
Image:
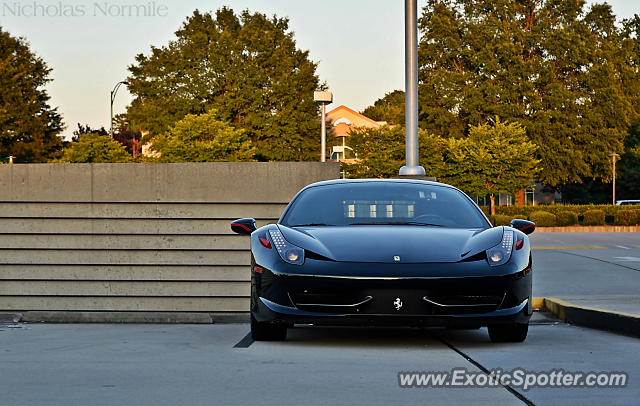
(617, 303)
(589, 279)
(580, 312)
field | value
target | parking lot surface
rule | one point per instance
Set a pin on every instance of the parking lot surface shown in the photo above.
(55, 364)
(200, 365)
(591, 269)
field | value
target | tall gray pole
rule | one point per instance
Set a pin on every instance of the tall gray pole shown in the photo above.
(614, 180)
(412, 167)
(614, 157)
(323, 157)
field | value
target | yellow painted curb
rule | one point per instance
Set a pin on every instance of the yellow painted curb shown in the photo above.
(569, 247)
(589, 229)
(552, 304)
(537, 303)
(593, 317)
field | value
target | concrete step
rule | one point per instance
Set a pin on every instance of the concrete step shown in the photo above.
(154, 226)
(125, 257)
(106, 303)
(141, 210)
(123, 288)
(77, 272)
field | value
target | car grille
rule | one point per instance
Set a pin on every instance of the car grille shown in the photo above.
(393, 302)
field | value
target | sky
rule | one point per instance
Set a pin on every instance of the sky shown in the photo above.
(359, 44)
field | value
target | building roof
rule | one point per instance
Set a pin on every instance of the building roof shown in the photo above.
(344, 120)
(355, 119)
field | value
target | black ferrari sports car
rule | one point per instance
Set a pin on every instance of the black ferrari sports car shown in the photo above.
(388, 252)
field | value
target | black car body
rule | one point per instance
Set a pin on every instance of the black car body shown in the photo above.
(388, 252)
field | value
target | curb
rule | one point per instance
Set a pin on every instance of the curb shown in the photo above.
(116, 317)
(589, 229)
(10, 317)
(593, 317)
(537, 303)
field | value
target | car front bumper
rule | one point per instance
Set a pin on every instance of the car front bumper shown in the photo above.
(452, 300)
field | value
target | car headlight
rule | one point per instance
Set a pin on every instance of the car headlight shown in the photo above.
(501, 253)
(288, 252)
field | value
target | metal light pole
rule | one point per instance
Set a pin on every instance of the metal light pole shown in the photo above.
(614, 158)
(323, 98)
(412, 168)
(113, 97)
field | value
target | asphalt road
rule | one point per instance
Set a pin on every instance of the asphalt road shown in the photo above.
(593, 269)
(46, 364)
(198, 365)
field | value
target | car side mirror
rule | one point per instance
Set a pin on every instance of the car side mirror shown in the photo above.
(244, 226)
(525, 226)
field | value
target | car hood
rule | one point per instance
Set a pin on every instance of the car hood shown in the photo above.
(382, 244)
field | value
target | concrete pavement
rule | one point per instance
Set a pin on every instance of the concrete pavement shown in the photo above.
(198, 365)
(594, 269)
(595, 276)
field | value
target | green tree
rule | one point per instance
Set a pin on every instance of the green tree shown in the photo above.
(95, 148)
(390, 108)
(628, 176)
(565, 72)
(29, 126)
(381, 152)
(494, 159)
(203, 138)
(247, 67)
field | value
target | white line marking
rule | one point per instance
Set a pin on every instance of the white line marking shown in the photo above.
(627, 259)
(623, 247)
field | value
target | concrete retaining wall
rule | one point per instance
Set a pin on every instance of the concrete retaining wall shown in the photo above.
(136, 237)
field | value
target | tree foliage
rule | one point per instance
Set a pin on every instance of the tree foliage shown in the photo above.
(29, 126)
(95, 148)
(381, 152)
(494, 159)
(497, 158)
(203, 138)
(247, 67)
(390, 108)
(628, 176)
(564, 71)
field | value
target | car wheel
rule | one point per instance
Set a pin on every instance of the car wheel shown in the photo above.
(508, 333)
(267, 331)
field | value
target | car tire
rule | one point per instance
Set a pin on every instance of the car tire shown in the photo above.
(267, 331)
(508, 333)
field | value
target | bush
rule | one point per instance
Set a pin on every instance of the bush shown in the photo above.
(501, 220)
(611, 213)
(486, 210)
(567, 218)
(593, 218)
(627, 218)
(543, 219)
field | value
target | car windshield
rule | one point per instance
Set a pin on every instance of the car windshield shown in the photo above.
(372, 203)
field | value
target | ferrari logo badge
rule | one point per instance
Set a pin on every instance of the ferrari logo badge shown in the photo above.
(398, 303)
(396, 258)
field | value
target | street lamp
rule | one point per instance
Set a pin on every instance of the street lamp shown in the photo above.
(323, 98)
(113, 97)
(412, 168)
(614, 158)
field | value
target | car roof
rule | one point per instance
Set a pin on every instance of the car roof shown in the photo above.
(347, 181)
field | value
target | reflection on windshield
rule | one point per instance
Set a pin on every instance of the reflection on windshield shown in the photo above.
(383, 203)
